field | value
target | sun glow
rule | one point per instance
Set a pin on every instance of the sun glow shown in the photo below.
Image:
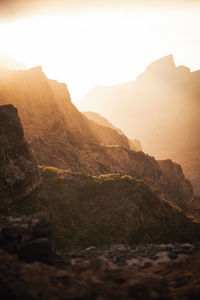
(100, 48)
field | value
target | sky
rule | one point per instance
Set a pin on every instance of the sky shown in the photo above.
(88, 43)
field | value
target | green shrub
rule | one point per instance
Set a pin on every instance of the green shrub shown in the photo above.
(173, 205)
(127, 177)
(193, 219)
(109, 177)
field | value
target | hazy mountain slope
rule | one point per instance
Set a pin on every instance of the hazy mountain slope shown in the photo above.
(134, 144)
(101, 120)
(63, 137)
(161, 108)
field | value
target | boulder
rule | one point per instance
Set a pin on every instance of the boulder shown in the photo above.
(18, 171)
(28, 236)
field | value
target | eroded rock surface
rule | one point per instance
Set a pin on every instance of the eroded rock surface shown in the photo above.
(29, 237)
(18, 171)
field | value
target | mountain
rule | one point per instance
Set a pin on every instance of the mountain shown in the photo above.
(109, 208)
(19, 174)
(61, 136)
(69, 208)
(134, 145)
(161, 108)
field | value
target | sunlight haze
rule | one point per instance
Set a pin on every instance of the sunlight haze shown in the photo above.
(102, 48)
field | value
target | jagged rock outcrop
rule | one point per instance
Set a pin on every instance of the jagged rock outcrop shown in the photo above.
(182, 190)
(18, 171)
(63, 137)
(162, 108)
(29, 237)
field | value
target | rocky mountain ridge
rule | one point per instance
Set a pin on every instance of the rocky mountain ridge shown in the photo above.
(88, 210)
(126, 209)
(161, 108)
(61, 136)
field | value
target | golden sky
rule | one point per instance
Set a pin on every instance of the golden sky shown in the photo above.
(87, 43)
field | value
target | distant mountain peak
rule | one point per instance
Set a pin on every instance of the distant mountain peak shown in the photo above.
(165, 63)
(36, 69)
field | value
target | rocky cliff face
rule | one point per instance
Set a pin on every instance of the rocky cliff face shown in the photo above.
(182, 190)
(161, 108)
(61, 136)
(18, 171)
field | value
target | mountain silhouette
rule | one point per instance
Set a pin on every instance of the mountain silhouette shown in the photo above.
(161, 108)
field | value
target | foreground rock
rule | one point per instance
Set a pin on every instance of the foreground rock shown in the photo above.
(96, 279)
(27, 236)
(18, 171)
(139, 256)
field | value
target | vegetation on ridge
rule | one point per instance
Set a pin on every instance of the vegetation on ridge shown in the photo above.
(106, 209)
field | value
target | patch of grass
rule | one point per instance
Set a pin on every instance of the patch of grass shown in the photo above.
(173, 205)
(111, 176)
(193, 219)
(51, 171)
(127, 177)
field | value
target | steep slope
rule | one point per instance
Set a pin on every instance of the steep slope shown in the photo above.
(18, 171)
(161, 108)
(61, 136)
(49, 117)
(101, 120)
(107, 209)
(134, 144)
(85, 210)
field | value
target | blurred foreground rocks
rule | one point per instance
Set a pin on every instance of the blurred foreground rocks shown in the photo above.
(29, 237)
(97, 279)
